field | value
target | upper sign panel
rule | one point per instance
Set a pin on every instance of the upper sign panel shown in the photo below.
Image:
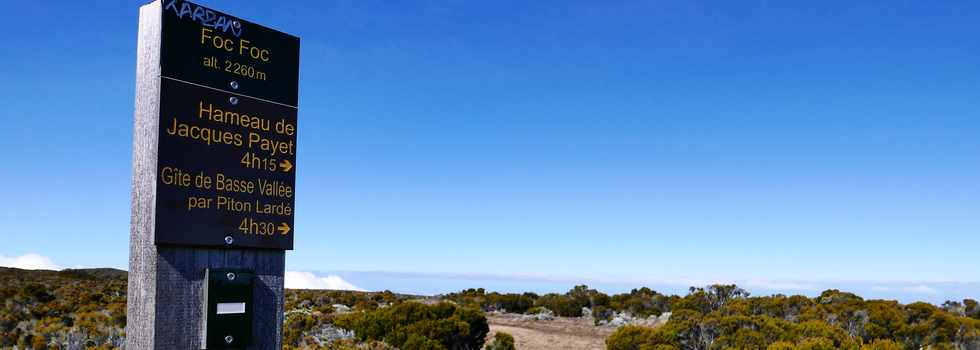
(211, 48)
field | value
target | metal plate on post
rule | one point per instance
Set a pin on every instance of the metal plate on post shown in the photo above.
(228, 308)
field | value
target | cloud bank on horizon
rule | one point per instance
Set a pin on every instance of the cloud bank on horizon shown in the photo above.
(293, 279)
(437, 283)
(29, 261)
(307, 280)
(907, 291)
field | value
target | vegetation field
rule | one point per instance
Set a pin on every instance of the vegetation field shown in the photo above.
(86, 309)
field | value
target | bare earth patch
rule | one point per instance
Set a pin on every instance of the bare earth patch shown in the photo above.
(560, 333)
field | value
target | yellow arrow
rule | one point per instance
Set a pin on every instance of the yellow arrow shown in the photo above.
(283, 228)
(286, 165)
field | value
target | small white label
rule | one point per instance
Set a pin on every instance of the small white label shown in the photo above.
(231, 308)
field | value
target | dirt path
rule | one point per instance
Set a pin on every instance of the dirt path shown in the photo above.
(560, 333)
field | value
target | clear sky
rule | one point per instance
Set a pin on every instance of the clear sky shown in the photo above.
(630, 141)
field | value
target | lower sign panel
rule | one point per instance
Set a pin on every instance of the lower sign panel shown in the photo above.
(225, 169)
(227, 313)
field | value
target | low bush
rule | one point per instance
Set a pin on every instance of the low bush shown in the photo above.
(725, 317)
(501, 341)
(561, 305)
(413, 326)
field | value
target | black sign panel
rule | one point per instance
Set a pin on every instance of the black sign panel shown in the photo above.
(211, 48)
(227, 141)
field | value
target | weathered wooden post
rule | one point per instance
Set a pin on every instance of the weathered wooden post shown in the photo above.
(214, 154)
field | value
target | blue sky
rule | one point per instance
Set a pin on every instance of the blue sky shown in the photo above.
(630, 141)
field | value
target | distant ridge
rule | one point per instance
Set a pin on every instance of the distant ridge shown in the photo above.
(86, 274)
(103, 272)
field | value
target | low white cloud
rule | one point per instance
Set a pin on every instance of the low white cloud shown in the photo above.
(307, 280)
(29, 261)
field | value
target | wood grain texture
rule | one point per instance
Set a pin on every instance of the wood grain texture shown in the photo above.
(166, 284)
(141, 300)
(180, 287)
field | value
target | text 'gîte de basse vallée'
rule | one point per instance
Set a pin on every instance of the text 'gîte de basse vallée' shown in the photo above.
(224, 189)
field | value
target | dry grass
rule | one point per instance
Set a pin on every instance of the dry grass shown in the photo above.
(560, 333)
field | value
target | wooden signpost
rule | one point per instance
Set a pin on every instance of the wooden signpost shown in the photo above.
(214, 164)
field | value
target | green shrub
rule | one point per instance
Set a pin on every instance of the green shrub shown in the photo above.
(535, 310)
(630, 337)
(781, 345)
(642, 302)
(412, 325)
(420, 342)
(601, 313)
(561, 305)
(501, 341)
(725, 317)
(817, 344)
(516, 303)
(883, 344)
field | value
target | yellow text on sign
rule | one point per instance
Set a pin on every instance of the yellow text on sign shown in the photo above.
(242, 46)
